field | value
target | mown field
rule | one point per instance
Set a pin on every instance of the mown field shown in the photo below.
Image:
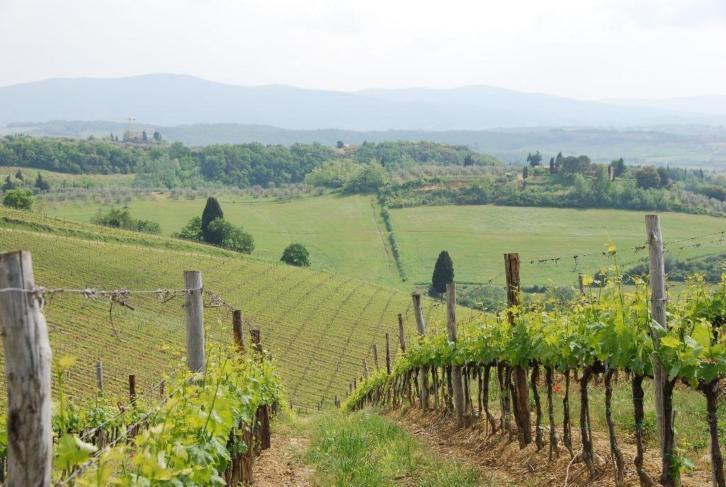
(342, 233)
(345, 235)
(318, 326)
(477, 236)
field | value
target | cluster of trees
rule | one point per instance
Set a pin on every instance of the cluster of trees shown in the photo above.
(349, 176)
(20, 180)
(213, 229)
(241, 165)
(398, 154)
(121, 218)
(591, 191)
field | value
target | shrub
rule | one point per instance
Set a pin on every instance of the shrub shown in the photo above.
(296, 254)
(21, 199)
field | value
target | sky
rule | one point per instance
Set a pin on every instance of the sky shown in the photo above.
(588, 49)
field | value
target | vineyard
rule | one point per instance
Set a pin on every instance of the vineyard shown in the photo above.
(318, 327)
(206, 431)
(609, 332)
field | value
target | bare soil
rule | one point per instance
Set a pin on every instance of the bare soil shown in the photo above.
(282, 463)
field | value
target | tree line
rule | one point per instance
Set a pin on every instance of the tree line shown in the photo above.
(240, 165)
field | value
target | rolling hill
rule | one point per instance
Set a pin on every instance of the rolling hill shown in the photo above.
(318, 326)
(167, 99)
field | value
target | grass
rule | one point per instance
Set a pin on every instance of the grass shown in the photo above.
(341, 233)
(477, 236)
(319, 327)
(364, 449)
(346, 237)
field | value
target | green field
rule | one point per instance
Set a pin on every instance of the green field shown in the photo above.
(341, 233)
(346, 237)
(477, 236)
(318, 326)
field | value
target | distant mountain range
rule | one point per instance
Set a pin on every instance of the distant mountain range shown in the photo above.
(170, 100)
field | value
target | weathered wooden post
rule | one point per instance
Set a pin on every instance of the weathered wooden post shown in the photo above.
(670, 475)
(365, 369)
(27, 373)
(401, 336)
(457, 385)
(423, 385)
(194, 305)
(256, 337)
(520, 398)
(375, 355)
(99, 375)
(388, 354)
(581, 284)
(132, 389)
(239, 340)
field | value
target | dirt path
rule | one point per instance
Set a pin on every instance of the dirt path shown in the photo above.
(502, 459)
(282, 464)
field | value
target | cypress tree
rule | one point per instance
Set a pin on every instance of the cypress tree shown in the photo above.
(211, 212)
(443, 273)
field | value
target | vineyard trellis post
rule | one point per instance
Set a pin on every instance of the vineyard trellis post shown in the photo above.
(194, 305)
(132, 390)
(401, 336)
(663, 386)
(374, 347)
(457, 385)
(99, 375)
(239, 340)
(27, 373)
(520, 398)
(365, 368)
(388, 354)
(423, 386)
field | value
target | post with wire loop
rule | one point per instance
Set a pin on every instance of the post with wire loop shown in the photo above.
(194, 305)
(27, 373)
(662, 385)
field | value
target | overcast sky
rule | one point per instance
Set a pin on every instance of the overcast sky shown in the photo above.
(578, 48)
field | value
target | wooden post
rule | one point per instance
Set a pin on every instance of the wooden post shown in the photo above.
(520, 399)
(239, 340)
(27, 373)
(365, 369)
(388, 354)
(375, 355)
(457, 385)
(418, 313)
(423, 386)
(581, 284)
(132, 389)
(256, 340)
(194, 305)
(663, 387)
(161, 388)
(99, 375)
(401, 337)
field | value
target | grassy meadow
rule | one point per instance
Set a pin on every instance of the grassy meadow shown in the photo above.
(345, 235)
(478, 236)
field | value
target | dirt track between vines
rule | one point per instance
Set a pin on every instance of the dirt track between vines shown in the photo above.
(498, 457)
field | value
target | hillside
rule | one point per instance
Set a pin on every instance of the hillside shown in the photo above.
(175, 99)
(318, 327)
